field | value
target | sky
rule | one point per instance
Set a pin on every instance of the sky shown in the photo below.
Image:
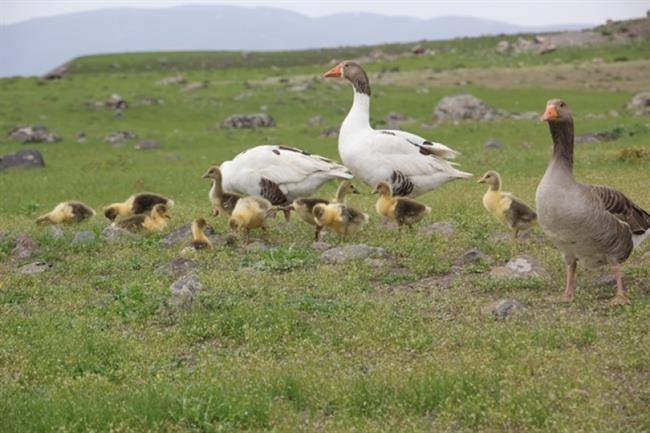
(524, 12)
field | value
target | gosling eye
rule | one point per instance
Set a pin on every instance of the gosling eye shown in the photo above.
(562, 104)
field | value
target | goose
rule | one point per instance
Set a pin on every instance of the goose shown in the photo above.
(151, 222)
(402, 210)
(223, 202)
(136, 204)
(594, 224)
(411, 164)
(280, 174)
(505, 207)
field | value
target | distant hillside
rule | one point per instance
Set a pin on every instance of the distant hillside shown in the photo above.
(33, 47)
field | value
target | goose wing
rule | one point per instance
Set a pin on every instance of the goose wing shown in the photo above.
(616, 203)
(438, 149)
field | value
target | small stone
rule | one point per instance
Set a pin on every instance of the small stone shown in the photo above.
(81, 137)
(332, 131)
(315, 121)
(640, 104)
(150, 100)
(34, 268)
(493, 143)
(177, 267)
(440, 228)
(320, 246)
(183, 234)
(466, 107)
(348, 253)
(147, 145)
(120, 137)
(24, 246)
(83, 238)
(248, 121)
(28, 158)
(56, 232)
(503, 308)
(116, 102)
(114, 233)
(33, 134)
(503, 46)
(177, 79)
(471, 257)
(418, 50)
(184, 289)
(522, 266)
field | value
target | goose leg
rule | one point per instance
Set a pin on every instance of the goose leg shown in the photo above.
(318, 230)
(569, 290)
(621, 297)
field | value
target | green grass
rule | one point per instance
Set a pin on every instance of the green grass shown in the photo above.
(278, 341)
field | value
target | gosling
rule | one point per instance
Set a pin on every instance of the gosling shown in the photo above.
(505, 207)
(402, 210)
(136, 204)
(153, 222)
(250, 213)
(304, 207)
(199, 240)
(340, 218)
(67, 212)
(223, 202)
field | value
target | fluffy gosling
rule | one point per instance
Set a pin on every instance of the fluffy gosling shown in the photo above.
(340, 218)
(223, 202)
(402, 210)
(153, 222)
(67, 212)
(249, 213)
(136, 204)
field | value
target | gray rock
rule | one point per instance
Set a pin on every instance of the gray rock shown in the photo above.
(640, 104)
(83, 238)
(57, 73)
(418, 49)
(33, 134)
(80, 136)
(177, 267)
(176, 79)
(197, 85)
(471, 257)
(120, 137)
(320, 246)
(24, 246)
(493, 143)
(184, 289)
(522, 266)
(440, 228)
(503, 46)
(503, 308)
(183, 234)
(466, 107)
(348, 253)
(315, 121)
(28, 158)
(147, 145)
(332, 131)
(150, 100)
(56, 232)
(248, 121)
(114, 233)
(34, 268)
(116, 102)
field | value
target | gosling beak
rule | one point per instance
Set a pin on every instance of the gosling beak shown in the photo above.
(206, 175)
(334, 72)
(549, 114)
(481, 180)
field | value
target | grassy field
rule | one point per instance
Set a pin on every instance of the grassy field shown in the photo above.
(279, 341)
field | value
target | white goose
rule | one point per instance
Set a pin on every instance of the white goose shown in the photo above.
(411, 164)
(280, 174)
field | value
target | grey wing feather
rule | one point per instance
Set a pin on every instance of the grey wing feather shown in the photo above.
(616, 203)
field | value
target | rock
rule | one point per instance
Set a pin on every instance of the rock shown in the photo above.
(184, 234)
(177, 267)
(519, 267)
(56, 232)
(195, 86)
(440, 228)
(120, 137)
(493, 143)
(34, 268)
(640, 104)
(315, 121)
(177, 79)
(503, 308)
(348, 253)
(547, 47)
(57, 73)
(81, 137)
(418, 50)
(33, 134)
(240, 121)
(503, 46)
(29, 158)
(523, 45)
(114, 233)
(116, 102)
(472, 256)
(24, 246)
(149, 100)
(184, 289)
(255, 247)
(320, 246)
(332, 131)
(147, 145)
(83, 238)
(466, 107)
(595, 137)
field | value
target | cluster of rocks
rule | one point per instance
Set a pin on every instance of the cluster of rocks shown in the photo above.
(640, 104)
(119, 137)
(114, 102)
(30, 158)
(248, 121)
(539, 44)
(186, 281)
(468, 107)
(33, 134)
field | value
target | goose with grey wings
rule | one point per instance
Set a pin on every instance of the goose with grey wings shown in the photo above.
(410, 164)
(594, 224)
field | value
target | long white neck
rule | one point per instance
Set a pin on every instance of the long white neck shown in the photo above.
(359, 116)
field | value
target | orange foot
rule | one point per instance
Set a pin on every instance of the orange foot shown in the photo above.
(619, 300)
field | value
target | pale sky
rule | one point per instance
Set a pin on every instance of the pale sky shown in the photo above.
(524, 12)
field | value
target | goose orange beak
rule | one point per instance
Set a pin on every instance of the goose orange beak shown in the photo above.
(334, 72)
(549, 114)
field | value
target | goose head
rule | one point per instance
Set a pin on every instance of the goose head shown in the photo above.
(383, 188)
(557, 111)
(491, 178)
(354, 73)
(213, 173)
